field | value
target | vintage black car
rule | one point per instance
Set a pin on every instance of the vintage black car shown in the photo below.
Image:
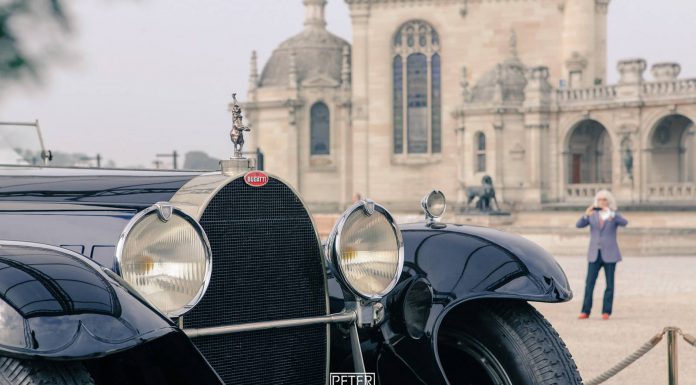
(153, 277)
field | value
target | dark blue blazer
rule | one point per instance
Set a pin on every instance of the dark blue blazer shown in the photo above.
(603, 237)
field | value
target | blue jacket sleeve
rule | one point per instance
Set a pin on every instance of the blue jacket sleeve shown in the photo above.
(619, 220)
(583, 222)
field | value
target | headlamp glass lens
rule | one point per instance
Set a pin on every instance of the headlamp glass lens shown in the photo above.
(369, 253)
(436, 204)
(165, 261)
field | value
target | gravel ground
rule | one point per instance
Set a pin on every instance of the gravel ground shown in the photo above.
(650, 293)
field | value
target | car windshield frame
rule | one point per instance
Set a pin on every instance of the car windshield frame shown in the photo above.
(23, 142)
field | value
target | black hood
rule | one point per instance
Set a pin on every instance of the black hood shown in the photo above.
(101, 187)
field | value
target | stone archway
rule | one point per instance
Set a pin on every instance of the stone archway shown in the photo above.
(672, 152)
(589, 152)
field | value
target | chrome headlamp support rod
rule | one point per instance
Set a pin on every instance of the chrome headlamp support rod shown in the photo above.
(347, 316)
(343, 317)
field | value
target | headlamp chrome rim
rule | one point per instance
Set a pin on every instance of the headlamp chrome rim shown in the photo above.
(164, 211)
(333, 244)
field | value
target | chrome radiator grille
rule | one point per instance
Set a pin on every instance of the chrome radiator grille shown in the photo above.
(266, 266)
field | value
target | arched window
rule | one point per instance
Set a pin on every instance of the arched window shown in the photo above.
(589, 152)
(417, 71)
(319, 127)
(480, 151)
(672, 158)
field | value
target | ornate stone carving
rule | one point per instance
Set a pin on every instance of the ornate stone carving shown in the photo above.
(538, 78)
(576, 62)
(253, 73)
(665, 71)
(513, 43)
(631, 71)
(464, 83)
(292, 73)
(627, 157)
(314, 11)
(345, 68)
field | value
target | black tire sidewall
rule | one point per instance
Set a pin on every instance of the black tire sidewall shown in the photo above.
(503, 337)
(504, 343)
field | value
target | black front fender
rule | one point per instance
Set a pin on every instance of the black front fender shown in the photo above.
(465, 263)
(57, 304)
(468, 262)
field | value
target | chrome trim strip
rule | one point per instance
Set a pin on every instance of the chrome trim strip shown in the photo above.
(44, 246)
(344, 317)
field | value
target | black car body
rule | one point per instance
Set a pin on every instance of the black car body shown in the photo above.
(63, 299)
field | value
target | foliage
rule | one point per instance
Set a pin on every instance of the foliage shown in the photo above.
(20, 22)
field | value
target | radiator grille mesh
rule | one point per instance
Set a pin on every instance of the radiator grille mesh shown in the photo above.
(266, 266)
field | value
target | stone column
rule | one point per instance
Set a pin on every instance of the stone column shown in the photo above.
(579, 37)
(499, 158)
(537, 104)
(360, 16)
(346, 137)
(600, 60)
(293, 149)
(346, 158)
(690, 144)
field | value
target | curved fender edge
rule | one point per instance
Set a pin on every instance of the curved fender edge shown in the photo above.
(57, 304)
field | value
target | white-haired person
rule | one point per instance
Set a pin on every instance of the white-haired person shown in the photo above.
(604, 220)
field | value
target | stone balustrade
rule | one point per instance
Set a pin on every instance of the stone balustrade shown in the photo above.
(584, 191)
(670, 88)
(584, 95)
(671, 191)
(648, 90)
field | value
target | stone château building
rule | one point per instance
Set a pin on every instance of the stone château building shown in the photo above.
(439, 93)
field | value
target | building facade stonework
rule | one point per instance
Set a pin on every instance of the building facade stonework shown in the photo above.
(439, 93)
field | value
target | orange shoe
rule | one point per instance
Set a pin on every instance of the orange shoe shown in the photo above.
(605, 316)
(583, 316)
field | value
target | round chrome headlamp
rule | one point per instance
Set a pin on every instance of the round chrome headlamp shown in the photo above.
(365, 250)
(434, 204)
(164, 254)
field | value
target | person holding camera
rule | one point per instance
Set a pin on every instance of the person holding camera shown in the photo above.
(604, 220)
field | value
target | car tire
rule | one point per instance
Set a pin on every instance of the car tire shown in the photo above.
(504, 343)
(14, 371)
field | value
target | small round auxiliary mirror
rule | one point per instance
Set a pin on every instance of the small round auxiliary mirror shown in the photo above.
(434, 204)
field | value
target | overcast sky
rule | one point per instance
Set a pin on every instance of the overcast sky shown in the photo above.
(149, 76)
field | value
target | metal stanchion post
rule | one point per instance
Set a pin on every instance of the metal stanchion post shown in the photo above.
(672, 355)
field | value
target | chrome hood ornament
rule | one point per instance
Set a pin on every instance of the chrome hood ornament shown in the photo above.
(238, 128)
(238, 163)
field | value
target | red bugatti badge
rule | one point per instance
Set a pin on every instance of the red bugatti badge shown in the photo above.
(256, 178)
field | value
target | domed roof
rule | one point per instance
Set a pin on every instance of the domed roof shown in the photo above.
(505, 82)
(508, 77)
(317, 51)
